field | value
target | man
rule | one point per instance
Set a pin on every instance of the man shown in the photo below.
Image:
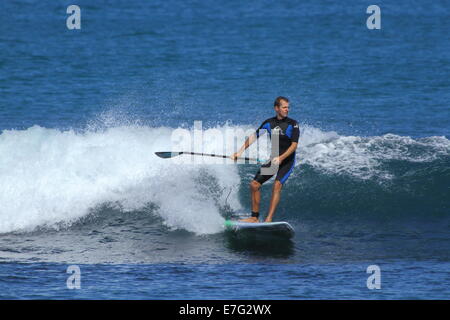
(287, 132)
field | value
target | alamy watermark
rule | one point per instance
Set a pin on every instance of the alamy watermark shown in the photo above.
(74, 280)
(374, 280)
(374, 20)
(225, 142)
(74, 20)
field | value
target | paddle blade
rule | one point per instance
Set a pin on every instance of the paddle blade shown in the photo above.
(168, 154)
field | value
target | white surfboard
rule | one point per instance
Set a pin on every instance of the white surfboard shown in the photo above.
(276, 228)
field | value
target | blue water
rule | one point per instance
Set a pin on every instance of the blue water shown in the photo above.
(83, 111)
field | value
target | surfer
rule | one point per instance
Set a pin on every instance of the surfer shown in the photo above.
(286, 131)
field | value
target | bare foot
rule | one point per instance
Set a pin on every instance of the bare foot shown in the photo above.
(268, 220)
(251, 219)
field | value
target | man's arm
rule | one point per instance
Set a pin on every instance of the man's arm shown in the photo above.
(287, 153)
(292, 147)
(248, 142)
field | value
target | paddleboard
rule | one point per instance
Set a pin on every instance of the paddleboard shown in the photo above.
(281, 228)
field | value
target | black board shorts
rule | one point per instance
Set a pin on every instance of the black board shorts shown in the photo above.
(284, 170)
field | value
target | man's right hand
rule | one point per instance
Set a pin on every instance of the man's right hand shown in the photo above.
(235, 155)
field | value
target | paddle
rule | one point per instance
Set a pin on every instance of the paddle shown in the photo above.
(171, 154)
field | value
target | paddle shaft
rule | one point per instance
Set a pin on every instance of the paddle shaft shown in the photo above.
(217, 156)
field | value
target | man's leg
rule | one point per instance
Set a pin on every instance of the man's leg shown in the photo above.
(255, 187)
(283, 174)
(276, 194)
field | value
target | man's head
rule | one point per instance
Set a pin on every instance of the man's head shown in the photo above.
(281, 106)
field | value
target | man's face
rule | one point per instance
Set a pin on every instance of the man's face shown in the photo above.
(283, 109)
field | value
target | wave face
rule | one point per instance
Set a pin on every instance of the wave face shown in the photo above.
(53, 178)
(383, 176)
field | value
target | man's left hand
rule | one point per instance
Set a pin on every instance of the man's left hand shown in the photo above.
(277, 161)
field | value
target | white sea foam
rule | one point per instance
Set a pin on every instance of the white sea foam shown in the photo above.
(362, 157)
(48, 177)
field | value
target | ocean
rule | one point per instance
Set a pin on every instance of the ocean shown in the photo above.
(88, 211)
